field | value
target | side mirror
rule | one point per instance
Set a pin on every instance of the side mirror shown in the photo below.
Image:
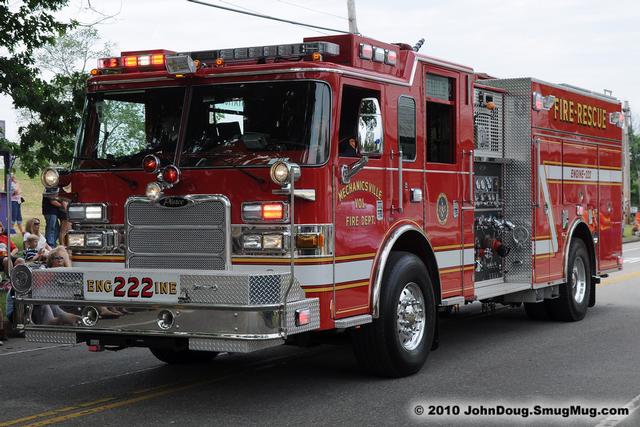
(370, 129)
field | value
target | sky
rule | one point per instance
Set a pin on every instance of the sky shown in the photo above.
(586, 43)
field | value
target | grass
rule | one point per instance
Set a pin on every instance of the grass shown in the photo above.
(32, 207)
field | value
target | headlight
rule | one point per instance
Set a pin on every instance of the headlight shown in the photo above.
(50, 177)
(94, 240)
(154, 191)
(88, 212)
(76, 240)
(252, 241)
(272, 241)
(279, 173)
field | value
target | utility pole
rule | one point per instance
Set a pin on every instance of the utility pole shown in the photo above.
(351, 9)
(626, 163)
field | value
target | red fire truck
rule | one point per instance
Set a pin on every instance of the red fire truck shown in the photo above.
(231, 200)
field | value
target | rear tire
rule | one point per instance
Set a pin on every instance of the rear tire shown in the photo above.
(398, 342)
(183, 356)
(573, 302)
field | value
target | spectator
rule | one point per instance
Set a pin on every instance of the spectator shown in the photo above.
(349, 149)
(8, 251)
(32, 228)
(31, 252)
(53, 314)
(16, 203)
(50, 208)
(65, 224)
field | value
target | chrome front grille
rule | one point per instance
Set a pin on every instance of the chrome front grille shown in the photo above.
(194, 236)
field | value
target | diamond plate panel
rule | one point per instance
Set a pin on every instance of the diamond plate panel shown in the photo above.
(232, 346)
(258, 289)
(517, 170)
(51, 337)
(50, 284)
(314, 305)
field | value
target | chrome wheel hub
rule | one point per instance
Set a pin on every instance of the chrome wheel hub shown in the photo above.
(579, 280)
(410, 316)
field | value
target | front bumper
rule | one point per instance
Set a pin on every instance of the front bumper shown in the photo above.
(213, 310)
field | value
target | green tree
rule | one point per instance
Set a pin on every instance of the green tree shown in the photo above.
(51, 108)
(634, 165)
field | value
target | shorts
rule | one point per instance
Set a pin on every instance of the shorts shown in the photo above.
(13, 259)
(16, 212)
(62, 215)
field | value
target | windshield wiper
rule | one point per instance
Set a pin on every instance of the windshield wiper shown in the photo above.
(131, 183)
(233, 165)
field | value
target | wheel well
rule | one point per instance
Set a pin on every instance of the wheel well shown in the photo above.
(414, 242)
(582, 232)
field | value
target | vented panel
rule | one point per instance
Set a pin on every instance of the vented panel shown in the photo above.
(194, 262)
(488, 124)
(194, 236)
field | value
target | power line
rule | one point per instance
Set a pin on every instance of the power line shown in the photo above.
(312, 10)
(273, 18)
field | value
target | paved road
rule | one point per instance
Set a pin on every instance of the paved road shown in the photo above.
(500, 358)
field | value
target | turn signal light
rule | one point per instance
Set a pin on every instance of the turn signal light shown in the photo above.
(150, 163)
(272, 211)
(171, 174)
(309, 240)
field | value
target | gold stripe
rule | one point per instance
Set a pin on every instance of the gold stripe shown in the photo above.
(352, 309)
(456, 246)
(581, 146)
(337, 288)
(345, 257)
(96, 257)
(611, 151)
(581, 165)
(451, 270)
(542, 238)
(543, 256)
(613, 168)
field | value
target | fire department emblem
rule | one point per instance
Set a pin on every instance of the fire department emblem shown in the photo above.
(442, 208)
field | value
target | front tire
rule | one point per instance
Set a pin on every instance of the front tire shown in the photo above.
(573, 302)
(182, 356)
(398, 342)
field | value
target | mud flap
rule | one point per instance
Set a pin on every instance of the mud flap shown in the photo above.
(436, 334)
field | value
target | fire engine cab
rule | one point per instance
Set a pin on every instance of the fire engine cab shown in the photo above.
(230, 200)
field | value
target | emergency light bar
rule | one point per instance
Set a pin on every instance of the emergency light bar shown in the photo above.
(264, 52)
(144, 60)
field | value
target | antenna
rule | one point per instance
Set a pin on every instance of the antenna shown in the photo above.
(353, 24)
(418, 45)
(259, 15)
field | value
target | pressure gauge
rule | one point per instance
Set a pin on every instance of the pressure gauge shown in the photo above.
(483, 184)
(478, 179)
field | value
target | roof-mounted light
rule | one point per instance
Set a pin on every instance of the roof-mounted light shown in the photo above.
(145, 60)
(180, 64)
(366, 51)
(378, 54)
(254, 53)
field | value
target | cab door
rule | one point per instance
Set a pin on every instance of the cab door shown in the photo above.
(362, 202)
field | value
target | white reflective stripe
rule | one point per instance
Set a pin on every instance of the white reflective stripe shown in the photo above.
(453, 258)
(318, 275)
(542, 174)
(542, 247)
(469, 256)
(574, 173)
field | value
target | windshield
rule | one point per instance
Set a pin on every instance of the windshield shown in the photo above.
(253, 123)
(121, 128)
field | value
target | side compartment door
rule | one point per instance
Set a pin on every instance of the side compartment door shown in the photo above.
(445, 181)
(609, 207)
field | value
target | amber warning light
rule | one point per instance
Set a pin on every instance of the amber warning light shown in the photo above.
(132, 61)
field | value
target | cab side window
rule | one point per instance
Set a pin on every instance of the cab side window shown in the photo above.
(407, 127)
(440, 119)
(348, 133)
